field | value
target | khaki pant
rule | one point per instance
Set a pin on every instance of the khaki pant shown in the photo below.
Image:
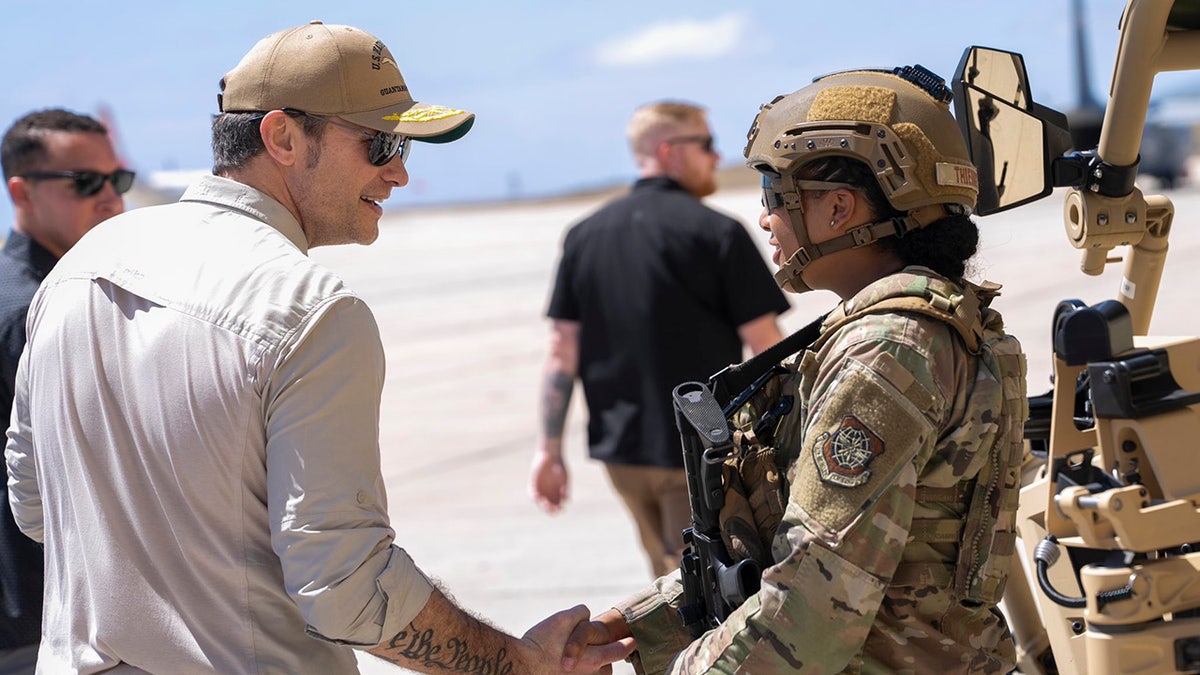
(657, 498)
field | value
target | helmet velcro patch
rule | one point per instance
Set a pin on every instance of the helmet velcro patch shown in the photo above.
(858, 103)
(927, 158)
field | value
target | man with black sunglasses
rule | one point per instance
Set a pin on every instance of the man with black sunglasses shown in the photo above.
(196, 426)
(51, 160)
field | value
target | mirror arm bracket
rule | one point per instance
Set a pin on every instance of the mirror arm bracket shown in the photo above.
(1086, 171)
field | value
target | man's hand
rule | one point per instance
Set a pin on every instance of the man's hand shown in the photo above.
(597, 636)
(593, 651)
(548, 481)
(548, 477)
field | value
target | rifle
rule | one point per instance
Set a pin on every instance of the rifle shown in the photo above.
(713, 585)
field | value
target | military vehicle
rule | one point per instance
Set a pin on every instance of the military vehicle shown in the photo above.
(1106, 576)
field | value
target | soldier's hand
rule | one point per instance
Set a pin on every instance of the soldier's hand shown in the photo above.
(548, 481)
(550, 637)
(610, 628)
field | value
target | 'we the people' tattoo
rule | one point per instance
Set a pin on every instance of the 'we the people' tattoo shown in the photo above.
(453, 656)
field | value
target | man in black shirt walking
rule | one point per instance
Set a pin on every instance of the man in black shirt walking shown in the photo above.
(64, 178)
(652, 290)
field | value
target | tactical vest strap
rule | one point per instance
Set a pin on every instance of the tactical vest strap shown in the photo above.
(956, 495)
(952, 311)
(910, 574)
(959, 311)
(990, 535)
(937, 530)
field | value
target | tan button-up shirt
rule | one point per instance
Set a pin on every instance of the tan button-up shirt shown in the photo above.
(195, 439)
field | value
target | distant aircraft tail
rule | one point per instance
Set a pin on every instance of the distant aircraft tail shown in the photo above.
(105, 114)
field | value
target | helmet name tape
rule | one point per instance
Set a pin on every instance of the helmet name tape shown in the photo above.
(957, 175)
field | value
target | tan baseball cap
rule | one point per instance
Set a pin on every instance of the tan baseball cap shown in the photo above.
(327, 69)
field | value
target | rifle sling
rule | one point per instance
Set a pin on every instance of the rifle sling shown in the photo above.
(737, 378)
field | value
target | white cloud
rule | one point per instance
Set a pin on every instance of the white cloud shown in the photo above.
(687, 40)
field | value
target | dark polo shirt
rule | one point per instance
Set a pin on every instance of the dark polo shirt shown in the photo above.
(659, 283)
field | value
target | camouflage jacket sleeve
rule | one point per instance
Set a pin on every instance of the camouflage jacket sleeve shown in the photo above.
(873, 400)
(655, 623)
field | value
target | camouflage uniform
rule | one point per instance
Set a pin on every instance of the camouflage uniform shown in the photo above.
(898, 449)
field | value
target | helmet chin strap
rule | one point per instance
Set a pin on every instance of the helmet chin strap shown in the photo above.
(790, 275)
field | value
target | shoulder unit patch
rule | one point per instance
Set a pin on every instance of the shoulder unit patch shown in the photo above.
(843, 457)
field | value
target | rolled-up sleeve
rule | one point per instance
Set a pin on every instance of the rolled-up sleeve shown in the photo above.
(24, 495)
(326, 498)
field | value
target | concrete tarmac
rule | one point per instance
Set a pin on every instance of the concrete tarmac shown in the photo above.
(459, 294)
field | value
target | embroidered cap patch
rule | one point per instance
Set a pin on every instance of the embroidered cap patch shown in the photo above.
(842, 457)
(430, 113)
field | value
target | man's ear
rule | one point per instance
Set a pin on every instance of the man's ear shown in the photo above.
(282, 137)
(18, 191)
(665, 156)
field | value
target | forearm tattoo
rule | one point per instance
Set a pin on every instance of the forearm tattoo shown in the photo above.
(556, 398)
(454, 654)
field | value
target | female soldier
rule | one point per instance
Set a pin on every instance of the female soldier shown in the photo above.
(881, 504)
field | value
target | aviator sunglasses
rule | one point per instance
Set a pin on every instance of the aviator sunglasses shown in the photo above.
(88, 183)
(705, 142)
(384, 145)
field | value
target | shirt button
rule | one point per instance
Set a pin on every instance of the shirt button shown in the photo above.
(361, 497)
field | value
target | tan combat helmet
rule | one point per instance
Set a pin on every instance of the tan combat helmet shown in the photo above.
(896, 122)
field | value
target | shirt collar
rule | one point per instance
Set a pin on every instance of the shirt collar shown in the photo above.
(24, 249)
(657, 183)
(256, 204)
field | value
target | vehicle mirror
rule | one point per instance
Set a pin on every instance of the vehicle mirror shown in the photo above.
(1006, 132)
(999, 73)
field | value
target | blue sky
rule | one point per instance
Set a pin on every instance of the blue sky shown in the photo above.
(552, 83)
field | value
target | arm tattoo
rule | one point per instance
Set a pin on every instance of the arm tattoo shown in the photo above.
(556, 398)
(454, 655)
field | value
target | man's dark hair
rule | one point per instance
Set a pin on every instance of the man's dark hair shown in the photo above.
(943, 246)
(236, 139)
(23, 148)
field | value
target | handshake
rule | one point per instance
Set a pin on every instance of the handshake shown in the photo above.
(444, 638)
(588, 645)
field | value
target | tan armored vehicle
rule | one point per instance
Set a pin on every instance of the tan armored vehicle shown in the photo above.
(1107, 571)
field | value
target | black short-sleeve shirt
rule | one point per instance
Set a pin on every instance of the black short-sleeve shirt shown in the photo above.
(659, 284)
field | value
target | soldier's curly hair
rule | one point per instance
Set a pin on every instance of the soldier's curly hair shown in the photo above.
(943, 246)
